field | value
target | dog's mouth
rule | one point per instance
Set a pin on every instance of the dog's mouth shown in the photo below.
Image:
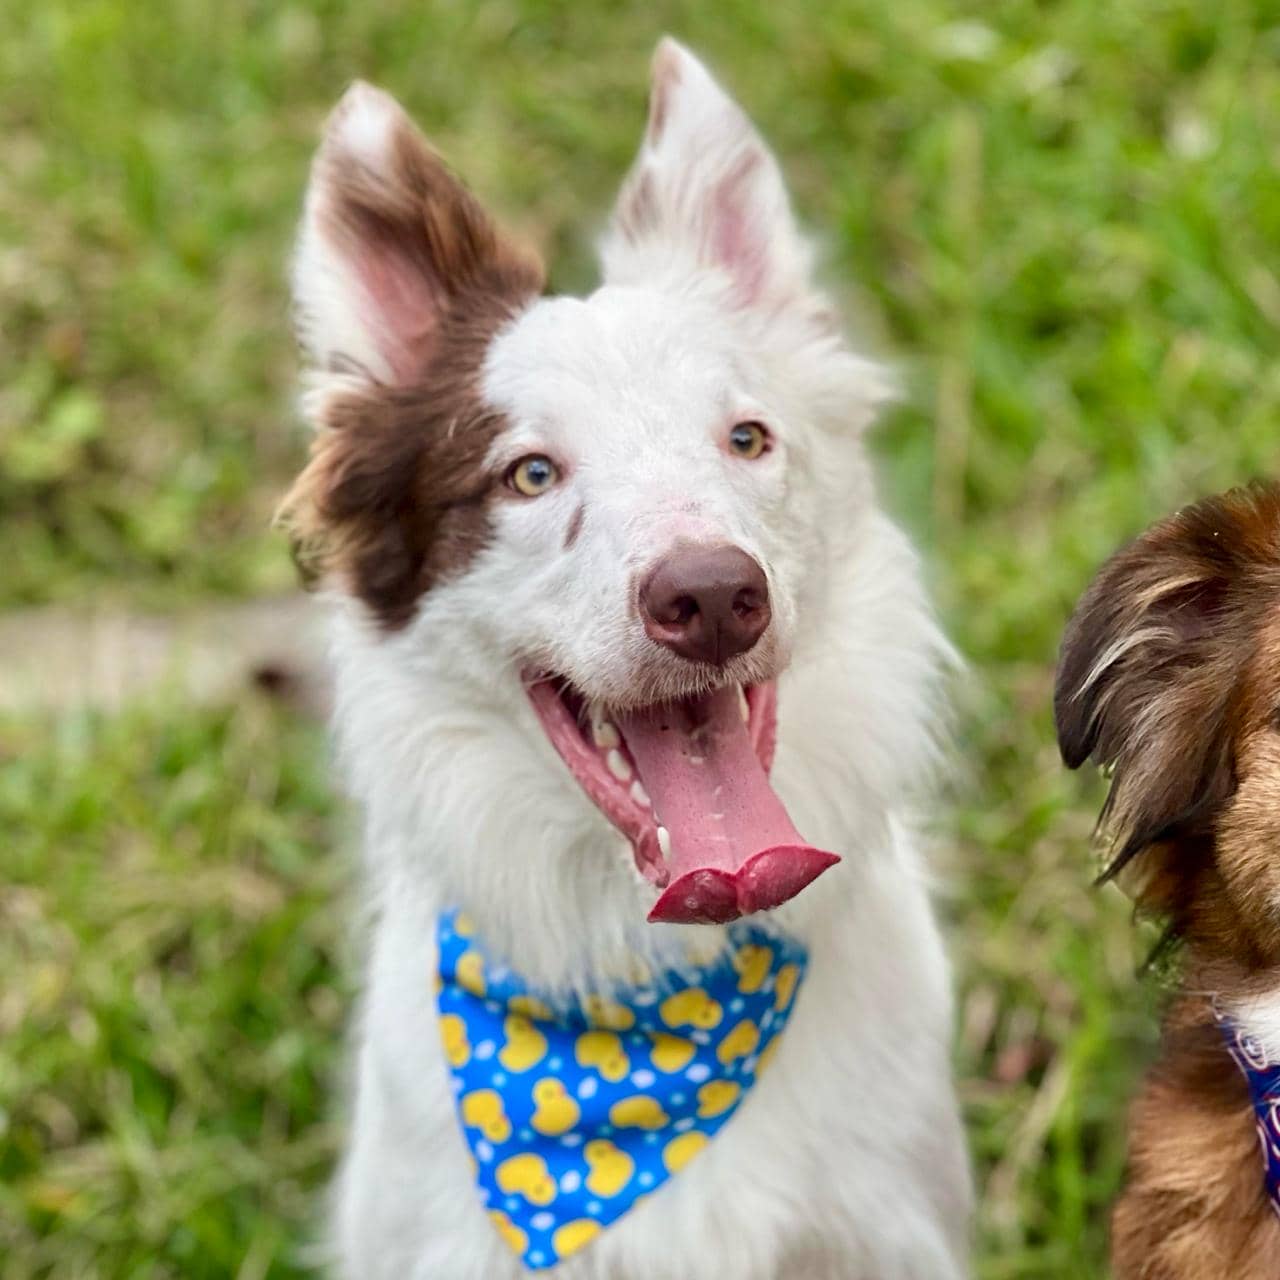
(687, 783)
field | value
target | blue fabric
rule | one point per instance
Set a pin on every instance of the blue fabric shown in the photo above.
(1263, 1077)
(575, 1114)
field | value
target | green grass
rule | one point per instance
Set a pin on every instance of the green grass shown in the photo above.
(1063, 217)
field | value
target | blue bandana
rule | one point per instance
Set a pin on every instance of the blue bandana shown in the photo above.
(574, 1114)
(1264, 1091)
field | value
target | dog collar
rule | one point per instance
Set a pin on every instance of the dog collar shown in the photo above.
(1263, 1077)
(575, 1114)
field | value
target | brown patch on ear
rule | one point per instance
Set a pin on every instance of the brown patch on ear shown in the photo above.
(396, 496)
(417, 241)
(1149, 675)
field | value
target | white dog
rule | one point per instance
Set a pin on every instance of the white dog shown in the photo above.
(593, 561)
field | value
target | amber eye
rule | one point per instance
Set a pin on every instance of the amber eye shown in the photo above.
(533, 475)
(748, 440)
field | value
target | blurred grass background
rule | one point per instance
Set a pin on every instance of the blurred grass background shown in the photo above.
(1062, 216)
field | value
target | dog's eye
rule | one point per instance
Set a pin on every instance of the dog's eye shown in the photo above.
(533, 475)
(748, 440)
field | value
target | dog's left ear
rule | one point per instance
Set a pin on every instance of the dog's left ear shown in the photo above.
(705, 194)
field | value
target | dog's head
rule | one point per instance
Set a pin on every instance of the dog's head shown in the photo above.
(1169, 676)
(617, 498)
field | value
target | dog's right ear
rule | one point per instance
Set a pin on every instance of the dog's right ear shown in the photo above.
(391, 248)
(1150, 665)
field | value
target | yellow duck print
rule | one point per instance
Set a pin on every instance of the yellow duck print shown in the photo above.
(512, 1236)
(464, 926)
(453, 1034)
(716, 1097)
(602, 1050)
(691, 1007)
(753, 964)
(527, 1175)
(482, 1109)
(679, 1151)
(470, 971)
(608, 1014)
(784, 988)
(531, 1007)
(610, 1169)
(767, 1055)
(526, 1046)
(638, 1113)
(670, 1053)
(573, 1236)
(554, 1111)
(741, 1041)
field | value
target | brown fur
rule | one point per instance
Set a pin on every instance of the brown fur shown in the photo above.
(1170, 675)
(396, 497)
(575, 526)
(1195, 1207)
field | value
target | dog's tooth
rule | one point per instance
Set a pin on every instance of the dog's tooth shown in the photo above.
(604, 734)
(618, 765)
(664, 842)
(639, 794)
(742, 703)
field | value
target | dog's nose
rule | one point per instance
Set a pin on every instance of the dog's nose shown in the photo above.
(707, 604)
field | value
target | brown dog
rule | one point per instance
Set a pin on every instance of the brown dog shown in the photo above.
(1169, 676)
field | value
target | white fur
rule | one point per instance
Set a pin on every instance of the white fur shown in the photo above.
(846, 1162)
(1259, 1017)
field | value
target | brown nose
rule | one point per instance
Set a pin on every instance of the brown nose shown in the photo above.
(707, 604)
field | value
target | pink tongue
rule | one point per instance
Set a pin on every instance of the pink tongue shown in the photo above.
(734, 850)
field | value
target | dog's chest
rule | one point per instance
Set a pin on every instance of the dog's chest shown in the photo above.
(819, 1140)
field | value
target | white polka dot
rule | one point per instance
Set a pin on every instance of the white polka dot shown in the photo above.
(512, 1204)
(571, 1140)
(594, 1207)
(588, 1087)
(484, 1152)
(683, 1125)
(651, 1139)
(644, 997)
(485, 1050)
(677, 1099)
(537, 1258)
(700, 1037)
(646, 1179)
(526, 1135)
(570, 1182)
(643, 1078)
(737, 1004)
(542, 1221)
(556, 1063)
(749, 1064)
(698, 1072)
(499, 1078)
